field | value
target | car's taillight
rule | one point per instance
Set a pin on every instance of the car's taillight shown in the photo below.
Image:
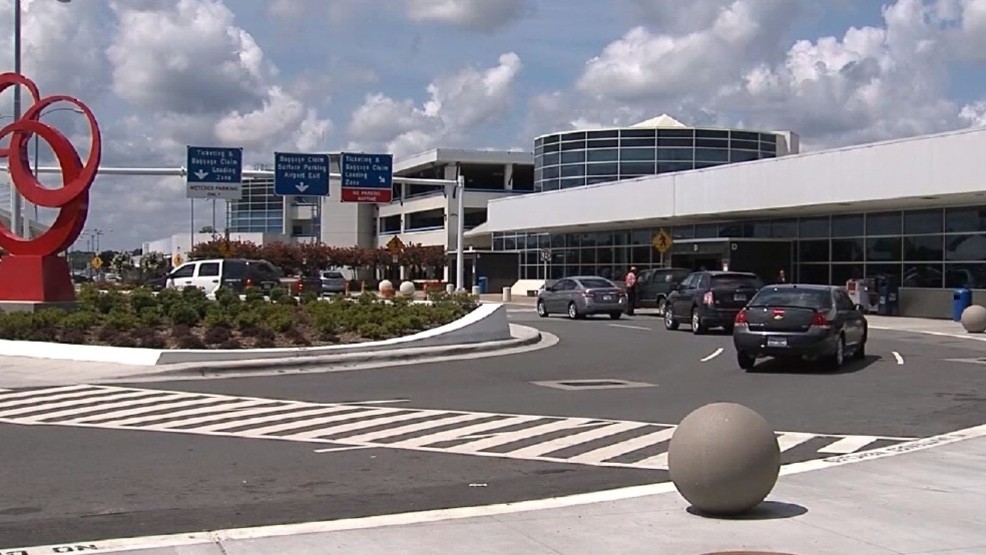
(741, 318)
(820, 321)
(708, 298)
(249, 282)
(587, 293)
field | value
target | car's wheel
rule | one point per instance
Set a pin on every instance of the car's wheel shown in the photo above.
(542, 310)
(615, 315)
(860, 353)
(669, 322)
(838, 358)
(573, 311)
(697, 323)
(745, 361)
(662, 304)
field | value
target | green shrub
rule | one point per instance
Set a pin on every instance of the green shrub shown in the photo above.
(151, 316)
(309, 297)
(141, 299)
(196, 298)
(149, 338)
(81, 320)
(249, 318)
(281, 318)
(216, 316)
(371, 330)
(121, 320)
(183, 314)
(167, 299)
(74, 336)
(296, 337)
(254, 294)
(277, 294)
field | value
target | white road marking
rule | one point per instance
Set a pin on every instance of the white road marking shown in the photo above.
(628, 327)
(848, 445)
(539, 437)
(900, 359)
(715, 353)
(350, 448)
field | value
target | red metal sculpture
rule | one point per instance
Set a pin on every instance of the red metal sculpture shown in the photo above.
(32, 269)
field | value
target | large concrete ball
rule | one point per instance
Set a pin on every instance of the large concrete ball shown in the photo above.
(724, 459)
(407, 289)
(974, 319)
(386, 286)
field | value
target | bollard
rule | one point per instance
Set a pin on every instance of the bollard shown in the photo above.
(345, 288)
(974, 319)
(362, 287)
(507, 294)
(407, 289)
(476, 290)
(449, 288)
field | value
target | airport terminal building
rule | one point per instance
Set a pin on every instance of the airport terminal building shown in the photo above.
(911, 210)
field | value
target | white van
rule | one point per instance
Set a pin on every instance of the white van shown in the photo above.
(234, 273)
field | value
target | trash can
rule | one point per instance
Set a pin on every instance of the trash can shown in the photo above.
(883, 307)
(961, 300)
(483, 282)
(889, 298)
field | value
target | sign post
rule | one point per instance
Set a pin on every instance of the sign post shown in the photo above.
(662, 242)
(545, 257)
(367, 178)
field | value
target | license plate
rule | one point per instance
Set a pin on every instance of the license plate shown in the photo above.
(607, 297)
(777, 342)
(739, 297)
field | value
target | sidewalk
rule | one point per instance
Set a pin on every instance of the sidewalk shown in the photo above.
(927, 501)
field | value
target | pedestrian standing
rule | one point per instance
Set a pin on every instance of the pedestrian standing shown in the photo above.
(631, 284)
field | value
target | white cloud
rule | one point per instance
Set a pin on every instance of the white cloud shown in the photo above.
(457, 104)
(476, 15)
(974, 113)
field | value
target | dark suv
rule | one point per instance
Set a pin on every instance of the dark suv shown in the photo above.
(710, 299)
(654, 286)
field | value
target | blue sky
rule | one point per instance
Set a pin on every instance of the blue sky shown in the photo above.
(409, 75)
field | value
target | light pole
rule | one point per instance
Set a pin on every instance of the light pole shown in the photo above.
(27, 221)
(15, 198)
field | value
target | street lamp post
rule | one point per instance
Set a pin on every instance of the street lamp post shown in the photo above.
(15, 197)
(37, 157)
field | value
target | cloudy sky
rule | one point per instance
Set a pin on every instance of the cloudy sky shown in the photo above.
(408, 75)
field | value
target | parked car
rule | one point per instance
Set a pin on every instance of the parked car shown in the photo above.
(654, 286)
(800, 321)
(580, 296)
(710, 299)
(333, 281)
(234, 273)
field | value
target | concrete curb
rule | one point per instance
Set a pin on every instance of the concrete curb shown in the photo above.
(522, 336)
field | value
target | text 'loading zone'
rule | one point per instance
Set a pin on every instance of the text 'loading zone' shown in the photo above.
(366, 177)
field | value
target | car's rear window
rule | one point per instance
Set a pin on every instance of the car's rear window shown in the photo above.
(736, 280)
(595, 282)
(808, 298)
(332, 275)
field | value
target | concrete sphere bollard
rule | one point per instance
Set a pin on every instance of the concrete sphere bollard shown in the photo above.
(724, 459)
(407, 289)
(386, 288)
(974, 319)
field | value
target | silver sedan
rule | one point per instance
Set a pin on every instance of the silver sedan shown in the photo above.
(580, 296)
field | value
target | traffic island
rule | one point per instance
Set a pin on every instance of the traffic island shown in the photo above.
(172, 327)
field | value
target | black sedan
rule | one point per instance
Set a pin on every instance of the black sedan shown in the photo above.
(800, 321)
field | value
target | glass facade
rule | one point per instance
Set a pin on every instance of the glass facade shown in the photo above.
(932, 248)
(261, 211)
(573, 159)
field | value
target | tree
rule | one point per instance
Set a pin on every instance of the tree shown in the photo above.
(153, 264)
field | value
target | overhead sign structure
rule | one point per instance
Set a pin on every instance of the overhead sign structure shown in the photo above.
(662, 241)
(367, 177)
(214, 172)
(301, 174)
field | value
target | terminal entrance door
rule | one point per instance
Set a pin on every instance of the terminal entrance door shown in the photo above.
(766, 258)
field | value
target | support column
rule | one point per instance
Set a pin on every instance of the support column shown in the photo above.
(508, 177)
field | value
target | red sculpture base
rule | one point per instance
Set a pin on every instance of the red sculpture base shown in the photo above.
(40, 279)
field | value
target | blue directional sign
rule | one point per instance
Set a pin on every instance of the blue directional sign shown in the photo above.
(214, 172)
(367, 177)
(301, 174)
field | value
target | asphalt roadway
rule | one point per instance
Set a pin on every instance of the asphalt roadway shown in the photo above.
(83, 479)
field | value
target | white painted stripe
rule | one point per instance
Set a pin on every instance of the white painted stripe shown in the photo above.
(74, 402)
(622, 448)
(51, 390)
(217, 416)
(256, 432)
(714, 354)
(281, 416)
(848, 445)
(627, 327)
(791, 440)
(362, 424)
(459, 433)
(542, 449)
(510, 437)
(110, 416)
(100, 407)
(900, 359)
(411, 428)
(659, 461)
(225, 407)
(352, 448)
(74, 393)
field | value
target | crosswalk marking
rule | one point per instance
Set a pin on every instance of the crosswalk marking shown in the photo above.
(848, 445)
(575, 440)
